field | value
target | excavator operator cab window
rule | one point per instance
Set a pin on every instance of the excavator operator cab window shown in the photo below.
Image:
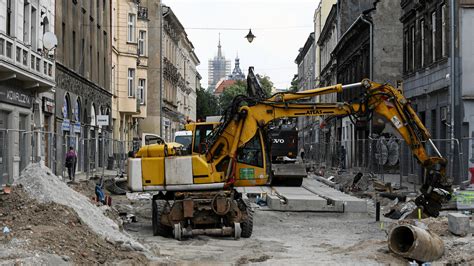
(251, 153)
(151, 139)
(201, 132)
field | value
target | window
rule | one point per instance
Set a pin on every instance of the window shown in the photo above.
(98, 11)
(433, 35)
(251, 153)
(131, 82)
(443, 30)
(141, 90)
(73, 50)
(412, 55)
(90, 62)
(142, 43)
(33, 28)
(422, 33)
(405, 50)
(26, 23)
(9, 17)
(63, 37)
(83, 50)
(131, 27)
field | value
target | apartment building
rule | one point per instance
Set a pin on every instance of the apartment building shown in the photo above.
(83, 77)
(130, 52)
(27, 76)
(180, 79)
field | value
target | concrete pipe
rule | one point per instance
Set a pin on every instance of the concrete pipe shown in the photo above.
(415, 243)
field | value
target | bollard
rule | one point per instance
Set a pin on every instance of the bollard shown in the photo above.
(377, 211)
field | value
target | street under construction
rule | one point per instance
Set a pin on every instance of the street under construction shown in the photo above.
(218, 201)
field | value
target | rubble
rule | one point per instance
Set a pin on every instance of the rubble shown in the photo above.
(458, 224)
(41, 184)
(48, 233)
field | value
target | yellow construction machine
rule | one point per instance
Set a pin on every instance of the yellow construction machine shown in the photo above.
(196, 193)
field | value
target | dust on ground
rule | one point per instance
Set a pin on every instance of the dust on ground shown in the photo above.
(56, 229)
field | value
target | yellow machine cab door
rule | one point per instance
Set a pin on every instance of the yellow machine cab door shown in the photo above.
(252, 163)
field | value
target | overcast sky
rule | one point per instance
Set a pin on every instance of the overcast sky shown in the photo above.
(281, 27)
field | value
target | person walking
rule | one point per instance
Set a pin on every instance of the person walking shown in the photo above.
(71, 160)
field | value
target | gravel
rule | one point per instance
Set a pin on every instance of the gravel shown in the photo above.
(41, 184)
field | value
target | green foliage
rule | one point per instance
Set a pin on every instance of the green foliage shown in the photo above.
(240, 88)
(206, 104)
(225, 99)
(267, 84)
(294, 84)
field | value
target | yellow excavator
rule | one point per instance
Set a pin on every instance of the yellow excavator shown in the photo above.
(196, 193)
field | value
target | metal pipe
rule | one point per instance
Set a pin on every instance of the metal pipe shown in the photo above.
(371, 74)
(415, 243)
(430, 141)
(371, 50)
(453, 81)
(161, 68)
(352, 86)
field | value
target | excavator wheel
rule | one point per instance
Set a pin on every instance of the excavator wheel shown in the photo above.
(159, 229)
(247, 224)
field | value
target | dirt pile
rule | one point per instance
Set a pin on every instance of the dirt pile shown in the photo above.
(56, 229)
(41, 184)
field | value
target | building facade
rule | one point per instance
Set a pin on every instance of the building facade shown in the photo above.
(180, 78)
(219, 68)
(327, 76)
(27, 76)
(306, 81)
(434, 76)
(129, 67)
(83, 77)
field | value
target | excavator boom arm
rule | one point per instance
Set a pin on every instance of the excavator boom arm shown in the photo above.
(382, 99)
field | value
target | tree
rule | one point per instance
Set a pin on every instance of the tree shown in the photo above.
(266, 83)
(206, 104)
(225, 99)
(294, 84)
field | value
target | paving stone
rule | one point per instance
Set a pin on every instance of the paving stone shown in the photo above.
(458, 224)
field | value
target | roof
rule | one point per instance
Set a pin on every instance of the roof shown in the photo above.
(223, 84)
(305, 49)
(332, 17)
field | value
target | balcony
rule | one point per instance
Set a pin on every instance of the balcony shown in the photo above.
(142, 12)
(23, 63)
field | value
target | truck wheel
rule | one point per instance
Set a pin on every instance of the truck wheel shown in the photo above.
(159, 229)
(247, 224)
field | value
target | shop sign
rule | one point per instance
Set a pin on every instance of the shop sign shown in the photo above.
(77, 128)
(102, 120)
(66, 125)
(16, 97)
(48, 105)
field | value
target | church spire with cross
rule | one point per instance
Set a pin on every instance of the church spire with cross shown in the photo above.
(237, 73)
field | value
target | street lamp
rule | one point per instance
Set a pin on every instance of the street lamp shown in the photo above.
(250, 36)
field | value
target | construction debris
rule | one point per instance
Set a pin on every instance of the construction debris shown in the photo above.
(415, 243)
(39, 232)
(458, 224)
(41, 184)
